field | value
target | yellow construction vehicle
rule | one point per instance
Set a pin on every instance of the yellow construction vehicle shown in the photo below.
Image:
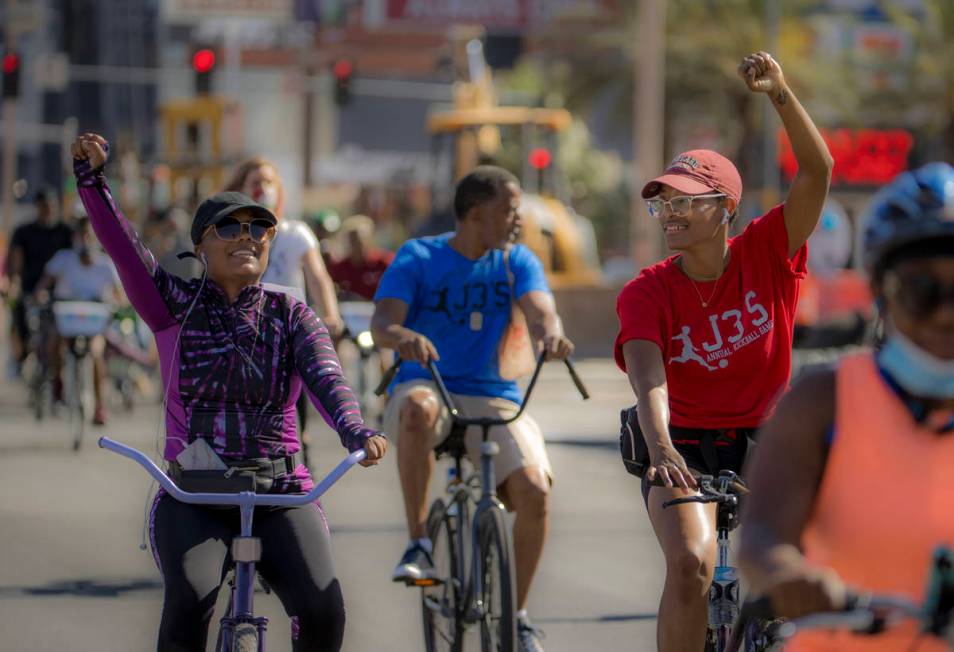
(564, 240)
(192, 142)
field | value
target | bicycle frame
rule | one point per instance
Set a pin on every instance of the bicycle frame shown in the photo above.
(474, 589)
(724, 592)
(246, 549)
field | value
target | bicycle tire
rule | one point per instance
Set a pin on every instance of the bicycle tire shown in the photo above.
(441, 604)
(77, 407)
(498, 626)
(245, 638)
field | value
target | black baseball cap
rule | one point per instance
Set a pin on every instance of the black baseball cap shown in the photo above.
(220, 206)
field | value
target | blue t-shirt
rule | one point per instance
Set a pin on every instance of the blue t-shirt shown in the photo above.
(462, 306)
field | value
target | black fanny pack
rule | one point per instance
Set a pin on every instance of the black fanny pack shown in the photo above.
(256, 475)
(635, 453)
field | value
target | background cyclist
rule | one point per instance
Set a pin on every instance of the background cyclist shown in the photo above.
(219, 338)
(82, 273)
(860, 455)
(294, 259)
(706, 337)
(448, 298)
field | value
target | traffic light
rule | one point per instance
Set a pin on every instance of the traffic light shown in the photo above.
(203, 64)
(11, 74)
(343, 71)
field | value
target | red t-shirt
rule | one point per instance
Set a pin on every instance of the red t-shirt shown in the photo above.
(727, 363)
(361, 279)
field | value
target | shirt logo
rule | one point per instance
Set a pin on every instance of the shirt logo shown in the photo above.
(746, 329)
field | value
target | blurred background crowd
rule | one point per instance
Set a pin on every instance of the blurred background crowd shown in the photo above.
(369, 110)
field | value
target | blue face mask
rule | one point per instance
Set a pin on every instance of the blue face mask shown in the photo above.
(917, 371)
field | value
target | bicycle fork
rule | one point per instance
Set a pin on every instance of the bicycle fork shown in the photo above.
(723, 594)
(246, 552)
(475, 605)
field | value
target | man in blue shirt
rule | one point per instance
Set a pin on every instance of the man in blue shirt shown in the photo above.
(448, 298)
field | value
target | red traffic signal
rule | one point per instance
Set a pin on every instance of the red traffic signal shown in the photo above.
(11, 75)
(11, 63)
(203, 60)
(540, 158)
(342, 69)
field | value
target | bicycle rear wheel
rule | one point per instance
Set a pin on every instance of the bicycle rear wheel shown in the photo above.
(498, 631)
(441, 603)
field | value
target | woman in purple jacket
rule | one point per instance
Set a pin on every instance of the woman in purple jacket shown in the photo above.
(234, 357)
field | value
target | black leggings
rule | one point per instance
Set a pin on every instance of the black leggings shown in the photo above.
(193, 545)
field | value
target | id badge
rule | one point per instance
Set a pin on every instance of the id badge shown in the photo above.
(476, 321)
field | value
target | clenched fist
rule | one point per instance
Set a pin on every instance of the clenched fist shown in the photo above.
(93, 147)
(763, 74)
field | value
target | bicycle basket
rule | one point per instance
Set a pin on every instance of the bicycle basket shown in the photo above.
(81, 318)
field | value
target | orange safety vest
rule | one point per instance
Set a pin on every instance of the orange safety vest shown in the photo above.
(885, 502)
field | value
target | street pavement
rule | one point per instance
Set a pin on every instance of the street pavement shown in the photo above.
(72, 575)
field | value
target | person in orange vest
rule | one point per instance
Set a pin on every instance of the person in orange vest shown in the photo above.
(851, 479)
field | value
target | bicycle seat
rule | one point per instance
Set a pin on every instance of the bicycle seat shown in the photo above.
(453, 444)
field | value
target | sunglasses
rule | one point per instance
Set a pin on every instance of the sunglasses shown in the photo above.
(921, 296)
(680, 205)
(229, 228)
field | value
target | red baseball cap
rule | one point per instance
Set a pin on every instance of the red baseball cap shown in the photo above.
(696, 172)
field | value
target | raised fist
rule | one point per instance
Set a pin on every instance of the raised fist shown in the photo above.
(93, 147)
(762, 73)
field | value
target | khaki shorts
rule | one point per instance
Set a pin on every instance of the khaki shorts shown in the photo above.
(521, 442)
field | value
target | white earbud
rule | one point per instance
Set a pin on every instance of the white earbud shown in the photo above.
(725, 215)
(205, 261)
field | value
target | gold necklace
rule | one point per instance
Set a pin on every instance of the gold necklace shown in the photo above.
(715, 288)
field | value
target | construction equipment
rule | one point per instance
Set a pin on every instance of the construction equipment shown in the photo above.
(563, 240)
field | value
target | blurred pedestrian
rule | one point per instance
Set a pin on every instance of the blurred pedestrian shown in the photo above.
(31, 247)
(294, 261)
(359, 271)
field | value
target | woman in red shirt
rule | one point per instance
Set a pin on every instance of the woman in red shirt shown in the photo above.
(706, 337)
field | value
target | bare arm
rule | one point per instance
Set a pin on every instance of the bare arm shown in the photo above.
(322, 290)
(388, 331)
(808, 191)
(784, 477)
(544, 324)
(647, 376)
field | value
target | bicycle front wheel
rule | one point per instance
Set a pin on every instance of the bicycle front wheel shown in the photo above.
(441, 603)
(77, 401)
(495, 554)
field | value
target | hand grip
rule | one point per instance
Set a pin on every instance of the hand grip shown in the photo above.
(387, 378)
(581, 388)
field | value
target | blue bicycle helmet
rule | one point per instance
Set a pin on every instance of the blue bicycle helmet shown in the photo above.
(917, 205)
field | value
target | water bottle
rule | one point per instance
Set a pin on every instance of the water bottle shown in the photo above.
(724, 596)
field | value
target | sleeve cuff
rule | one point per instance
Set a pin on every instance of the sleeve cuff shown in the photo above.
(86, 175)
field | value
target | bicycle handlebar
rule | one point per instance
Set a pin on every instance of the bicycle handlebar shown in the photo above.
(863, 613)
(247, 497)
(455, 413)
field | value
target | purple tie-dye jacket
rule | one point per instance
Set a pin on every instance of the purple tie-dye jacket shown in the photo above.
(237, 370)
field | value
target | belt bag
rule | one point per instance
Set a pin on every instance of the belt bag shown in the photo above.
(635, 453)
(257, 475)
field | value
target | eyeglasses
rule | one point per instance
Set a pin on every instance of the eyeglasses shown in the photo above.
(229, 228)
(680, 205)
(919, 295)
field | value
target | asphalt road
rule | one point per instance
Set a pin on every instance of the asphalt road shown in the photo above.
(72, 575)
